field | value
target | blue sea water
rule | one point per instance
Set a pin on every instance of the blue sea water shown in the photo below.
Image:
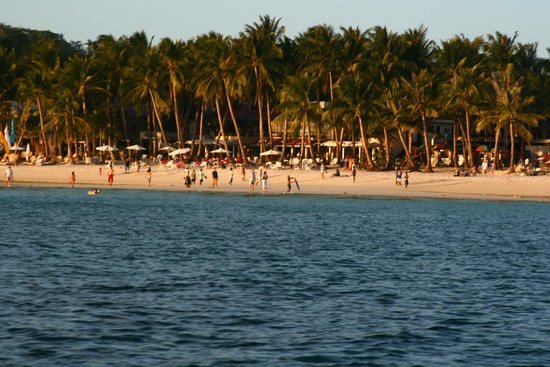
(142, 278)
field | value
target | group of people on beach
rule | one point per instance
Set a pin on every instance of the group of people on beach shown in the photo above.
(399, 176)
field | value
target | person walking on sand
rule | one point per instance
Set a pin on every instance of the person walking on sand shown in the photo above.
(264, 181)
(72, 179)
(9, 175)
(353, 172)
(243, 173)
(252, 180)
(201, 176)
(323, 169)
(231, 175)
(214, 178)
(111, 176)
(149, 176)
(406, 179)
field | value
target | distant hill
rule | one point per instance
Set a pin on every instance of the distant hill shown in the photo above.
(22, 39)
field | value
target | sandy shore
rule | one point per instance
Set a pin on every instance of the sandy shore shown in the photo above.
(440, 184)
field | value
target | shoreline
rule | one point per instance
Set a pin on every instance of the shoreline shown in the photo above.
(438, 185)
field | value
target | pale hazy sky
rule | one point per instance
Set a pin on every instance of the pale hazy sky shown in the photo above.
(81, 20)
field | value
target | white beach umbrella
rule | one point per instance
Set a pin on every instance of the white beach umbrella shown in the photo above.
(270, 152)
(136, 147)
(16, 147)
(180, 151)
(219, 150)
(167, 149)
(106, 148)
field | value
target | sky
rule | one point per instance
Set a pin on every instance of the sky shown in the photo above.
(82, 20)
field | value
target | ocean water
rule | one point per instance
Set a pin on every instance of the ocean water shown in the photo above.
(146, 278)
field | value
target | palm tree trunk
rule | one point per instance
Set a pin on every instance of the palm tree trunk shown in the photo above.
(236, 126)
(302, 144)
(309, 141)
(455, 144)
(364, 143)
(426, 145)
(260, 112)
(42, 128)
(201, 129)
(157, 116)
(497, 156)
(220, 120)
(269, 121)
(177, 116)
(512, 150)
(410, 161)
(469, 139)
(284, 140)
(386, 148)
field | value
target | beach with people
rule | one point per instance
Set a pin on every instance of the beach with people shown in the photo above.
(440, 184)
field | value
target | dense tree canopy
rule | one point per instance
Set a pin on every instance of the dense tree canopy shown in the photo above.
(263, 89)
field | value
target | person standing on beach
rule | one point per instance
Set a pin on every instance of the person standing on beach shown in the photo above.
(138, 165)
(398, 174)
(72, 179)
(127, 165)
(252, 180)
(406, 179)
(201, 176)
(264, 181)
(149, 176)
(231, 175)
(193, 176)
(353, 172)
(111, 176)
(9, 176)
(323, 169)
(214, 178)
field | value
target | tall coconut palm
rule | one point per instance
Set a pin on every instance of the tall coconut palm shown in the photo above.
(146, 74)
(511, 108)
(317, 52)
(297, 107)
(263, 53)
(422, 91)
(465, 85)
(173, 57)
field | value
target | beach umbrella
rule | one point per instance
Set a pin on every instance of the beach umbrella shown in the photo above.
(439, 147)
(106, 148)
(167, 149)
(180, 151)
(16, 147)
(330, 143)
(136, 147)
(219, 150)
(482, 148)
(270, 152)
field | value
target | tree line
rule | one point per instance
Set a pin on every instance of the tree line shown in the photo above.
(346, 84)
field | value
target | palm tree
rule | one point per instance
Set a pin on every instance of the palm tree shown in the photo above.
(146, 74)
(511, 108)
(317, 52)
(422, 91)
(43, 63)
(464, 88)
(263, 53)
(173, 58)
(297, 107)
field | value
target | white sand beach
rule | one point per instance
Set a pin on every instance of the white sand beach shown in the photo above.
(441, 184)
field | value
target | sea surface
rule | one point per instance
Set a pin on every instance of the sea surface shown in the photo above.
(148, 278)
